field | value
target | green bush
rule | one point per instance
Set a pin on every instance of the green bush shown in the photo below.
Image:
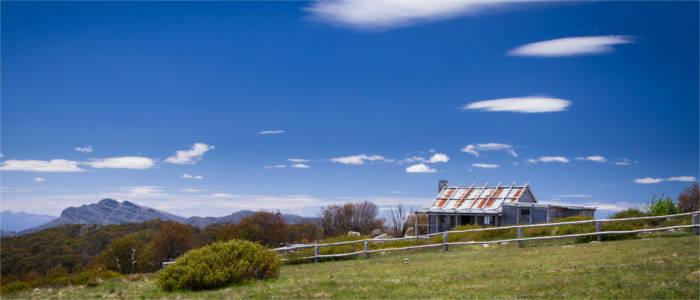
(83, 278)
(218, 265)
(14, 287)
(662, 206)
(575, 228)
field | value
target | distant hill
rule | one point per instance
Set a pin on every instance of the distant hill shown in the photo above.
(236, 217)
(18, 221)
(109, 211)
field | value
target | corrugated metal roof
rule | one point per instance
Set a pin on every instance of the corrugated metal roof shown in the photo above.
(475, 199)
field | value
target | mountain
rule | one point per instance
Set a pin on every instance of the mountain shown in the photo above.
(236, 217)
(18, 221)
(109, 211)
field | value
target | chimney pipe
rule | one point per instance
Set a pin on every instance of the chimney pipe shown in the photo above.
(441, 185)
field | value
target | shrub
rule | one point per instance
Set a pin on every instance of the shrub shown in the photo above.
(218, 265)
(575, 228)
(14, 287)
(661, 207)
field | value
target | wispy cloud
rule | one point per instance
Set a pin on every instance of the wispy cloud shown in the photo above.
(548, 159)
(386, 14)
(271, 132)
(86, 149)
(54, 165)
(300, 166)
(188, 176)
(682, 178)
(420, 168)
(298, 160)
(124, 162)
(593, 158)
(275, 167)
(189, 156)
(528, 105)
(39, 179)
(649, 180)
(435, 158)
(573, 196)
(485, 166)
(476, 148)
(221, 195)
(572, 46)
(359, 159)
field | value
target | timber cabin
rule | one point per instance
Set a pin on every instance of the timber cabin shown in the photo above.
(492, 206)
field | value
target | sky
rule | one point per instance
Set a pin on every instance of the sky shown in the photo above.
(208, 108)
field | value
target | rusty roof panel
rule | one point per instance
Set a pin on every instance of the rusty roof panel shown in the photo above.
(487, 199)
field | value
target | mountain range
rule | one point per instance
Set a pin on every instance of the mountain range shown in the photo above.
(109, 211)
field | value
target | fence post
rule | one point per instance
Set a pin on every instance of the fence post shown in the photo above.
(366, 249)
(316, 252)
(520, 236)
(696, 230)
(444, 240)
(599, 228)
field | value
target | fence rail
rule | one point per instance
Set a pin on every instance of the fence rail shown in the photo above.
(598, 227)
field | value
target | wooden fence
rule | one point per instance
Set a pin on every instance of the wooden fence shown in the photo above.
(445, 244)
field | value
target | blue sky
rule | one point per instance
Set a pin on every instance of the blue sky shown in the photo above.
(592, 103)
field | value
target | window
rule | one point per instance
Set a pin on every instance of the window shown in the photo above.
(487, 220)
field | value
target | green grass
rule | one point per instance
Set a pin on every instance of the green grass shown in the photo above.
(641, 268)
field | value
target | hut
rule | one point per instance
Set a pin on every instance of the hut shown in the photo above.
(492, 206)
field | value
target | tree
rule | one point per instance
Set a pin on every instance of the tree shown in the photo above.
(661, 207)
(303, 232)
(399, 216)
(264, 227)
(689, 199)
(360, 216)
(171, 240)
(120, 255)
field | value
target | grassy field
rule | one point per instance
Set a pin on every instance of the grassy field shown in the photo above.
(659, 268)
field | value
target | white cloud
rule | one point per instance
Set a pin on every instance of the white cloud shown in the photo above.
(385, 14)
(682, 178)
(532, 104)
(188, 176)
(275, 167)
(438, 157)
(396, 192)
(648, 180)
(420, 168)
(86, 149)
(191, 190)
(39, 179)
(271, 132)
(298, 160)
(548, 159)
(359, 159)
(476, 148)
(485, 166)
(189, 156)
(412, 159)
(124, 162)
(54, 165)
(623, 163)
(221, 195)
(593, 158)
(572, 46)
(300, 166)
